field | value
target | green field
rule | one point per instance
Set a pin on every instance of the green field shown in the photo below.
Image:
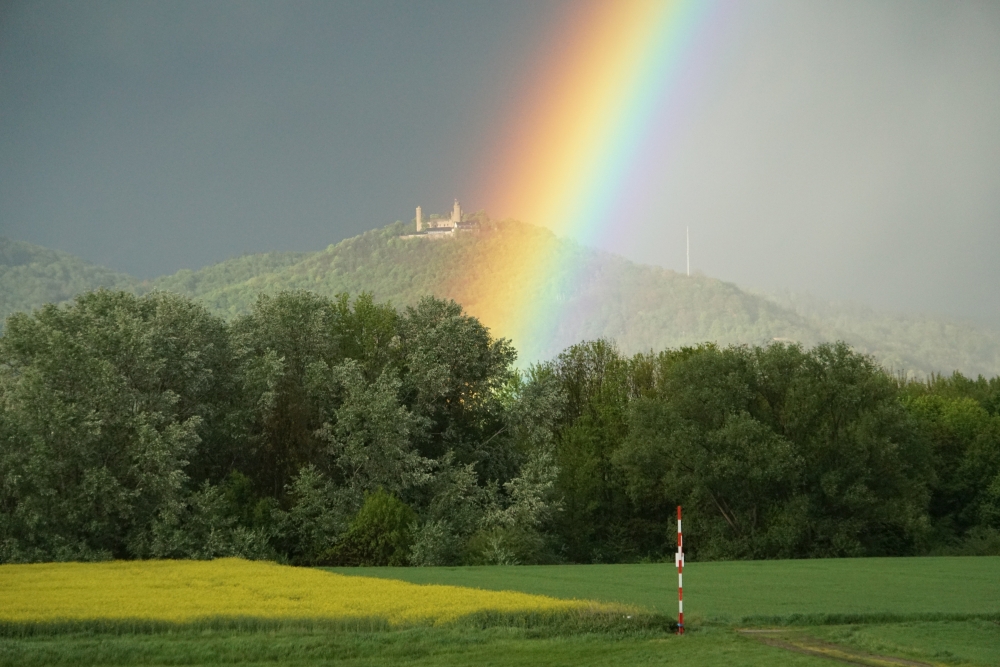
(409, 647)
(797, 591)
(937, 611)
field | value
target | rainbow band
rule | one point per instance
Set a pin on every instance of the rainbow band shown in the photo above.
(576, 143)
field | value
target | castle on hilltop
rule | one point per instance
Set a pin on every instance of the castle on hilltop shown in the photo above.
(438, 227)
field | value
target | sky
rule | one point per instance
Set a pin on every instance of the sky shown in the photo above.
(850, 150)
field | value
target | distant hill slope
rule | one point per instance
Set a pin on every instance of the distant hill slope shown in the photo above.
(31, 276)
(641, 307)
(208, 284)
(903, 342)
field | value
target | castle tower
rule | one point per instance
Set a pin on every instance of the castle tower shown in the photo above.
(420, 219)
(456, 213)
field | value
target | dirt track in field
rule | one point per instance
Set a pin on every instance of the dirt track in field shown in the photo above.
(811, 646)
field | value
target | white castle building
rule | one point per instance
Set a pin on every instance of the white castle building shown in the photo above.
(437, 227)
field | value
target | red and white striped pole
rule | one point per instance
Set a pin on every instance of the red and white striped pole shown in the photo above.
(679, 560)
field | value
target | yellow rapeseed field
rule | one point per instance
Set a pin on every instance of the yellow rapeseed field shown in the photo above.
(186, 591)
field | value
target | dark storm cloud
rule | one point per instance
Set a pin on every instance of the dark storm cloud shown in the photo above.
(154, 136)
(847, 149)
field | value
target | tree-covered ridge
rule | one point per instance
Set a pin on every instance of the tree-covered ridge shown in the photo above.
(344, 431)
(204, 282)
(602, 296)
(605, 296)
(31, 276)
(639, 306)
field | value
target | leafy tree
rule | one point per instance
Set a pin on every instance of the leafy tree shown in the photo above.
(206, 525)
(275, 346)
(868, 469)
(319, 514)
(775, 452)
(452, 374)
(344, 398)
(104, 403)
(369, 435)
(965, 444)
(519, 514)
(453, 507)
(601, 522)
(694, 440)
(512, 528)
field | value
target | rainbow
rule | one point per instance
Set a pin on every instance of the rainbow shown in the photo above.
(573, 158)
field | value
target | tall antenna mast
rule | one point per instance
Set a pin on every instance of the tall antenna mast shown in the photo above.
(689, 250)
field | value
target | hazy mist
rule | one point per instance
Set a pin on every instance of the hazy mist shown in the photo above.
(847, 149)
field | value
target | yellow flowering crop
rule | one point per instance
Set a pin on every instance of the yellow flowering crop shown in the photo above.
(185, 591)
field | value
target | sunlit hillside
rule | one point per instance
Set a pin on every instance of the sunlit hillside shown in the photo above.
(641, 307)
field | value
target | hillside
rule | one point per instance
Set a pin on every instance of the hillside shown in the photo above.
(31, 276)
(641, 307)
(209, 283)
(902, 342)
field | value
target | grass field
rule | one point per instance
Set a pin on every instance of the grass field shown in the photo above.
(423, 647)
(939, 611)
(797, 591)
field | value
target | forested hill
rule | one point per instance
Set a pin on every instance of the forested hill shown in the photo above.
(640, 307)
(31, 276)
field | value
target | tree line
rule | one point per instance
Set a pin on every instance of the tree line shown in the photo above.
(346, 432)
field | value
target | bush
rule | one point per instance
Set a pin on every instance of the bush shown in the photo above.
(980, 541)
(505, 545)
(435, 543)
(381, 533)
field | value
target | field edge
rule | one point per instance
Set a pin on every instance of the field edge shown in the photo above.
(617, 621)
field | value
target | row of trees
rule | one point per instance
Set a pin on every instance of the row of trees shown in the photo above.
(331, 431)
(775, 452)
